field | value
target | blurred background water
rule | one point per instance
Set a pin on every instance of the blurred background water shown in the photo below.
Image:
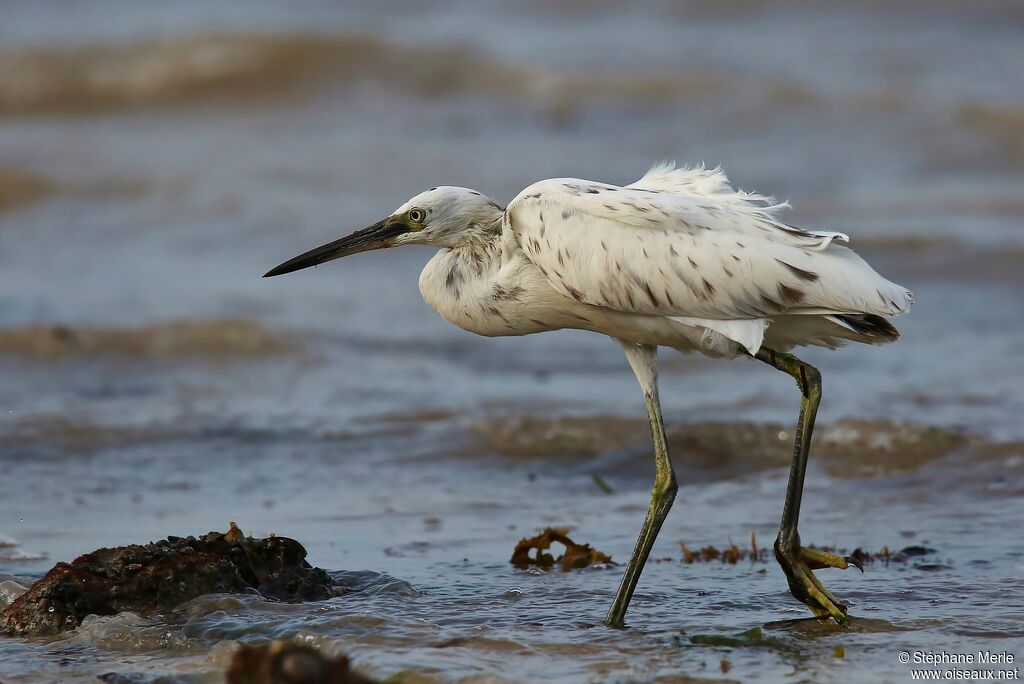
(157, 158)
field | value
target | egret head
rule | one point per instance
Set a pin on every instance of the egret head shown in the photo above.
(445, 216)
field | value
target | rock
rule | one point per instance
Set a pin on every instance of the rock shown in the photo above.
(156, 577)
(286, 662)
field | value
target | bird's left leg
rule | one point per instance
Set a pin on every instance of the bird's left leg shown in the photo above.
(643, 359)
(797, 561)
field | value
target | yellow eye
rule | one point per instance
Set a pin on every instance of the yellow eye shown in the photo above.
(417, 215)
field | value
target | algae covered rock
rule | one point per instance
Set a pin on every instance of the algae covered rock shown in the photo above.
(155, 577)
(287, 662)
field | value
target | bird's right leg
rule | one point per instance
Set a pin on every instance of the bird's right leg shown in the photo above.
(642, 359)
(797, 561)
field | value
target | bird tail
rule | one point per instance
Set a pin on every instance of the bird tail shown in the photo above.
(869, 325)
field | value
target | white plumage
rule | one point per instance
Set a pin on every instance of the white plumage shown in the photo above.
(682, 244)
(678, 259)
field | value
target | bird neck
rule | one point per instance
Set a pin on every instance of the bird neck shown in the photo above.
(480, 246)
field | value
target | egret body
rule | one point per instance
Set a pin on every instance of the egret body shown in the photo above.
(677, 259)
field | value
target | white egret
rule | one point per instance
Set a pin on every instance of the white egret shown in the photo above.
(677, 259)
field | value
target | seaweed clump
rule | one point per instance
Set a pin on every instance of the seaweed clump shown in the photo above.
(733, 554)
(887, 556)
(576, 556)
(159, 576)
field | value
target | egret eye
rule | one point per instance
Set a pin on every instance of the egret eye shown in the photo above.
(417, 215)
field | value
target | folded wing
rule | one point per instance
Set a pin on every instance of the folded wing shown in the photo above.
(683, 243)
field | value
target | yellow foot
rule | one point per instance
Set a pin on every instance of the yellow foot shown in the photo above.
(798, 562)
(818, 560)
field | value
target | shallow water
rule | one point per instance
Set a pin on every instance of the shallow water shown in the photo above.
(155, 161)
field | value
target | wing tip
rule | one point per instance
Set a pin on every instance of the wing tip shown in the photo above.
(870, 325)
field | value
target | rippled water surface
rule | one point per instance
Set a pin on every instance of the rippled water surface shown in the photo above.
(155, 160)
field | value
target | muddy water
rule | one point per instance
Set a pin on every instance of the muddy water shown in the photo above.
(155, 161)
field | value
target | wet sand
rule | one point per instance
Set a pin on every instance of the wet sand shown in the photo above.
(154, 166)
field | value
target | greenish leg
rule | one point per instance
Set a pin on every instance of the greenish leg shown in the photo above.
(797, 561)
(642, 360)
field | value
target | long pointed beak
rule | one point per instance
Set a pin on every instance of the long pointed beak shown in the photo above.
(377, 236)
